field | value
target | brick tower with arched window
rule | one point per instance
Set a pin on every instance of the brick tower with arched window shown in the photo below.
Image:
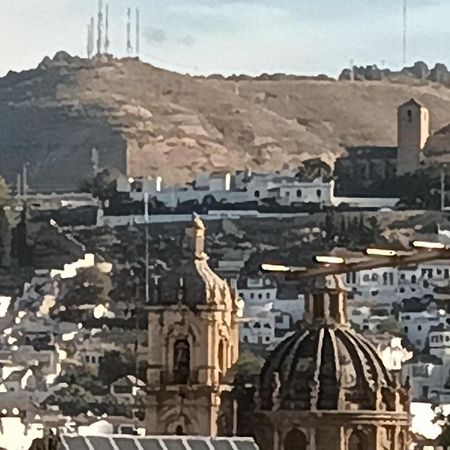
(193, 343)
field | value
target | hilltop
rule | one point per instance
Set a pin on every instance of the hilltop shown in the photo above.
(146, 120)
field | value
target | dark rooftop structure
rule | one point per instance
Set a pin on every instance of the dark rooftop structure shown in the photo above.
(125, 442)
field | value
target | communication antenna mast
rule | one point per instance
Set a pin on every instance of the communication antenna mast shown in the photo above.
(106, 28)
(99, 27)
(138, 31)
(405, 6)
(129, 47)
(90, 43)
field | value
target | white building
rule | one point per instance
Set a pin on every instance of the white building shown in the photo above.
(417, 320)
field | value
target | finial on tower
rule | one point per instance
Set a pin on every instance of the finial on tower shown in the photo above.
(199, 237)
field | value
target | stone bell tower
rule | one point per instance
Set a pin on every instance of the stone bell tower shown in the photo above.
(413, 131)
(193, 342)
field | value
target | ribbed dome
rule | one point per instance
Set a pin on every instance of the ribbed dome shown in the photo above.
(326, 368)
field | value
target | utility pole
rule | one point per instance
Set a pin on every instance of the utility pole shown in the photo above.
(443, 188)
(25, 180)
(147, 281)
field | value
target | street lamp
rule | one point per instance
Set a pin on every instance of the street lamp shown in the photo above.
(429, 245)
(329, 259)
(274, 268)
(380, 252)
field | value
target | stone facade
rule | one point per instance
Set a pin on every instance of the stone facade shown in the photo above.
(413, 131)
(193, 344)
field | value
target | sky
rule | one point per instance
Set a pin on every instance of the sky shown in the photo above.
(234, 36)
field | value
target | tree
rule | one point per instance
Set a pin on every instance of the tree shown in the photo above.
(391, 326)
(4, 192)
(103, 185)
(115, 365)
(312, 169)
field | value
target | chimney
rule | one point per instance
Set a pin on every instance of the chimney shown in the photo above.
(199, 237)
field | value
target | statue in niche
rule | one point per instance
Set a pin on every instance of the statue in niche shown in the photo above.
(181, 361)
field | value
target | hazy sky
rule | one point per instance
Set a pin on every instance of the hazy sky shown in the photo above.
(234, 36)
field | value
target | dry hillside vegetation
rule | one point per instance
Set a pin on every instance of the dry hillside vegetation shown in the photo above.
(146, 120)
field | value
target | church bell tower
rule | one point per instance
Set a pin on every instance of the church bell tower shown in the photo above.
(193, 342)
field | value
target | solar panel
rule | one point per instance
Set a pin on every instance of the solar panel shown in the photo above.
(150, 444)
(119, 442)
(174, 444)
(197, 444)
(125, 443)
(221, 444)
(100, 443)
(75, 443)
(245, 444)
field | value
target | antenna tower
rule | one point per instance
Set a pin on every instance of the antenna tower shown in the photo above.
(99, 27)
(106, 28)
(129, 47)
(90, 43)
(138, 31)
(405, 6)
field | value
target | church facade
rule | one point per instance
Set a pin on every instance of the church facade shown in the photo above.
(323, 388)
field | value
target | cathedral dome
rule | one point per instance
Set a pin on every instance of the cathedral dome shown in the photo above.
(326, 368)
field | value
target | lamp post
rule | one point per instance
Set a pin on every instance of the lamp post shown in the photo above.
(422, 251)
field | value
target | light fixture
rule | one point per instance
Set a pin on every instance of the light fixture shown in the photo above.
(329, 259)
(274, 268)
(380, 252)
(428, 245)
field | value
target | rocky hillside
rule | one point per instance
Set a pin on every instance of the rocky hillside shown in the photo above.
(145, 120)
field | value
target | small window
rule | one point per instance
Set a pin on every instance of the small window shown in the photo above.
(268, 295)
(402, 276)
(319, 193)
(267, 339)
(245, 339)
(402, 290)
(446, 273)
(257, 194)
(419, 327)
(447, 338)
(409, 112)
(87, 359)
(93, 360)
(406, 329)
(267, 325)
(260, 296)
(256, 325)
(252, 295)
(287, 193)
(413, 279)
(299, 192)
(246, 325)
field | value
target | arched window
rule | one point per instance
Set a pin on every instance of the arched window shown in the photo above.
(221, 356)
(357, 441)
(181, 361)
(179, 430)
(295, 440)
(409, 115)
(413, 279)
